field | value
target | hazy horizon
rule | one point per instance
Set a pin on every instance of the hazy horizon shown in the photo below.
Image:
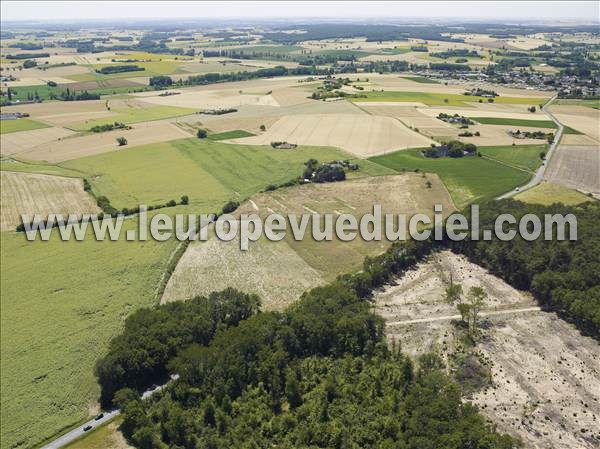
(51, 11)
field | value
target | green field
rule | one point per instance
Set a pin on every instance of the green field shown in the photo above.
(210, 173)
(44, 92)
(420, 79)
(57, 320)
(525, 157)
(522, 122)
(468, 179)
(236, 134)
(514, 122)
(22, 124)
(433, 99)
(11, 164)
(134, 115)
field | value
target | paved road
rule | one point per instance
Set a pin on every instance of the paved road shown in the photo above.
(539, 174)
(456, 317)
(78, 432)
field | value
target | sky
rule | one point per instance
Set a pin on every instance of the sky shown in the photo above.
(489, 10)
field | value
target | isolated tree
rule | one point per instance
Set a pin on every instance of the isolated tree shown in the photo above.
(476, 299)
(185, 199)
(263, 128)
(201, 134)
(121, 141)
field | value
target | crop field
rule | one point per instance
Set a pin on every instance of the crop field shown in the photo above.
(151, 68)
(526, 157)
(22, 124)
(209, 99)
(359, 134)
(27, 193)
(19, 142)
(57, 321)
(514, 122)
(439, 99)
(133, 114)
(576, 167)
(281, 271)
(64, 149)
(468, 179)
(208, 172)
(425, 123)
(583, 119)
(540, 388)
(547, 193)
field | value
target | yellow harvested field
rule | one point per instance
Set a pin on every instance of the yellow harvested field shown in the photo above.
(64, 112)
(250, 124)
(578, 139)
(426, 123)
(209, 99)
(90, 144)
(547, 193)
(272, 270)
(19, 142)
(360, 134)
(581, 118)
(281, 271)
(28, 193)
(576, 167)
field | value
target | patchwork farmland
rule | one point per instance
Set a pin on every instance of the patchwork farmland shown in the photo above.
(196, 118)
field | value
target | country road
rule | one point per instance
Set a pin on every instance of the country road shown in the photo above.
(78, 432)
(539, 174)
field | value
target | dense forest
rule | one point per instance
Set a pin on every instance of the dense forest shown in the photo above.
(564, 276)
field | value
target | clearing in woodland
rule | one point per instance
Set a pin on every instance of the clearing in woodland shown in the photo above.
(532, 373)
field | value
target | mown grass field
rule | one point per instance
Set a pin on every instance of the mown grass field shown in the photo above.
(436, 99)
(468, 179)
(22, 124)
(134, 115)
(61, 304)
(210, 173)
(526, 157)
